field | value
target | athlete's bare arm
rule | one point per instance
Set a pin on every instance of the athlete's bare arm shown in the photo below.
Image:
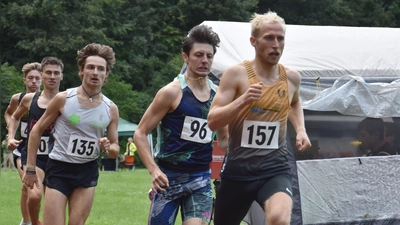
(163, 103)
(296, 115)
(232, 95)
(14, 120)
(11, 107)
(110, 143)
(223, 137)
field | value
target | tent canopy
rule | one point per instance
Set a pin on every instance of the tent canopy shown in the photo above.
(126, 128)
(322, 55)
(317, 51)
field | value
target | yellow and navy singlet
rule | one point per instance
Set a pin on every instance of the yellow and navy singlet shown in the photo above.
(185, 141)
(257, 135)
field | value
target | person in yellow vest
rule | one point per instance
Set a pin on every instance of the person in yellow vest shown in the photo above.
(130, 153)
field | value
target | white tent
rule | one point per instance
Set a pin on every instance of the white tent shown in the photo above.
(318, 51)
(326, 53)
(350, 70)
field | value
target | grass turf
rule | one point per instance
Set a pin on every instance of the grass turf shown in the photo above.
(120, 198)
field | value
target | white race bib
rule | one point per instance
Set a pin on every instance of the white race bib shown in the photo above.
(196, 130)
(24, 130)
(82, 147)
(44, 146)
(259, 134)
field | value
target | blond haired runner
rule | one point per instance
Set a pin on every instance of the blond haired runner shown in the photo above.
(255, 99)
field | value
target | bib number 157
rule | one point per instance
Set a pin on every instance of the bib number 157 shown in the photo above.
(257, 134)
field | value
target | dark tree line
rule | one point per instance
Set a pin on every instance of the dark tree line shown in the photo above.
(146, 35)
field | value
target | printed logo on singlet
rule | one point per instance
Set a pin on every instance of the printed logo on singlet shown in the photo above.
(74, 119)
(281, 93)
(46, 131)
(98, 124)
(259, 109)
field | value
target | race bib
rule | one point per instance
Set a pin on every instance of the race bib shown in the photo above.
(24, 130)
(196, 130)
(258, 134)
(82, 147)
(44, 146)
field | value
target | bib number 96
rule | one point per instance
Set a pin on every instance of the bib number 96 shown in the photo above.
(196, 130)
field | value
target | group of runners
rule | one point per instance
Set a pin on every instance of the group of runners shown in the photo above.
(62, 133)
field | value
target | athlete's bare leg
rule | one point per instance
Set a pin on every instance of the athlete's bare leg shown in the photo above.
(35, 198)
(24, 195)
(79, 205)
(54, 207)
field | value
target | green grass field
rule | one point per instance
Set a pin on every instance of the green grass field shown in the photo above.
(120, 198)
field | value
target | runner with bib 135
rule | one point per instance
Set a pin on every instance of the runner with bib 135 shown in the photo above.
(82, 115)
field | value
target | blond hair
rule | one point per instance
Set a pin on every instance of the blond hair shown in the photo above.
(31, 66)
(258, 19)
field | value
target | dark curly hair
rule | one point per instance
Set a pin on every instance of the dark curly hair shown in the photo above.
(200, 34)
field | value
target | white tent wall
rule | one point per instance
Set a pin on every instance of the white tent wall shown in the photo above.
(348, 73)
(317, 51)
(346, 190)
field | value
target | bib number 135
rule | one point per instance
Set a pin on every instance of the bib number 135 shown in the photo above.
(82, 147)
(257, 134)
(196, 130)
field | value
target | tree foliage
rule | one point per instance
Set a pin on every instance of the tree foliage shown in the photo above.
(10, 83)
(366, 13)
(146, 35)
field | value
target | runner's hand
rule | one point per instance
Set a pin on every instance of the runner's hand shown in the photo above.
(302, 141)
(253, 93)
(104, 144)
(30, 180)
(13, 144)
(159, 180)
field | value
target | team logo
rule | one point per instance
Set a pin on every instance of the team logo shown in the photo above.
(264, 109)
(281, 93)
(74, 119)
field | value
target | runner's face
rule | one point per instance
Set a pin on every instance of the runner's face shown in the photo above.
(270, 42)
(200, 59)
(33, 81)
(52, 76)
(94, 71)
